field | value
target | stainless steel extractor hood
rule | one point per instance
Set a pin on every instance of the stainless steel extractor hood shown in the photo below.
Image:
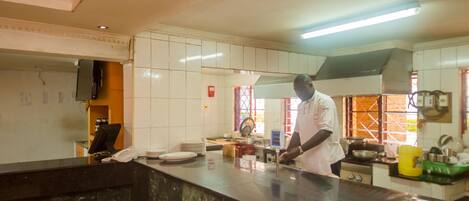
(274, 87)
(378, 72)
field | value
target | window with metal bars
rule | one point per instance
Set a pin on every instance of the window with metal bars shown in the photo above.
(290, 114)
(382, 118)
(247, 106)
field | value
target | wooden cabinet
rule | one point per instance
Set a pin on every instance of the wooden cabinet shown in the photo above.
(110, 102)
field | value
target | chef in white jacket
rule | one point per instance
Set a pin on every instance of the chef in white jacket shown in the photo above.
(316, 136)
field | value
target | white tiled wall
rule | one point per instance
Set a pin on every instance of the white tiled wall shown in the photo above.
(166, 100)
(163, 103)
(438, 69)
(214, 118)
(273, 117)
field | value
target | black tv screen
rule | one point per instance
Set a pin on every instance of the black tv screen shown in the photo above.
(88, 80)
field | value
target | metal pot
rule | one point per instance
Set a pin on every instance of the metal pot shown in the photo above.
(346, 142)
(364, 154)
(356, 140)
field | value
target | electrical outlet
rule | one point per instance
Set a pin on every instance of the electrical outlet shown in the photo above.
(429, 101)
(420, 101)
(443, 100)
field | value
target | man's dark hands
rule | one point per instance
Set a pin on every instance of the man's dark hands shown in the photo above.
(290, 155)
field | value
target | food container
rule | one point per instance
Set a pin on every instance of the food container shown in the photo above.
(444, 168)
(441, 158)
(409, 160)
(432, 157)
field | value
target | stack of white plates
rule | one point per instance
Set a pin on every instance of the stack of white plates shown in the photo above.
(196, 147)
(178, 156)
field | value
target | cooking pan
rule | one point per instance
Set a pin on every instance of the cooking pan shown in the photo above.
(364, 154)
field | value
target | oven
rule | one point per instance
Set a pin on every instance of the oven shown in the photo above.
(356, 172)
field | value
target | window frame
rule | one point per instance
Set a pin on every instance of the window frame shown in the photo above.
(252, 110)
(381, 101)
(464, 98)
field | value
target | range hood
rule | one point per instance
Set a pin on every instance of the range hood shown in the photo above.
(379, 72)
(274, 87)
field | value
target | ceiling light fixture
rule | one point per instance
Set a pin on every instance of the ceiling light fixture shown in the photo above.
(409, 10)
(103, 27)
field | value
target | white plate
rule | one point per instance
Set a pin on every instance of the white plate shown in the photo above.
(178, 156)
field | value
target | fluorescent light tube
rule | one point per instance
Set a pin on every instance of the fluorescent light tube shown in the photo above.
(210, 56)
(363, 23)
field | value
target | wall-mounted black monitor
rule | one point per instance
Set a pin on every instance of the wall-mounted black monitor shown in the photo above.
(89, 78)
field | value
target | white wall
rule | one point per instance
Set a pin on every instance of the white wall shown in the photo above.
(216, 110)
(165, 90)
(39, 122)
(438, 69)
(162, 100)
(219, 112)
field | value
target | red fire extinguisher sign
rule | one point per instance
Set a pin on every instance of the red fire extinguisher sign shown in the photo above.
(211, 91)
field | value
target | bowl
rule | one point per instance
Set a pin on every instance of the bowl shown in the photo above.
(154, 153)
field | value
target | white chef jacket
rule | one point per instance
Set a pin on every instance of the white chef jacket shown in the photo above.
(317, 113)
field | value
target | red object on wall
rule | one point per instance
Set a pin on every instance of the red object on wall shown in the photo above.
(211, 91)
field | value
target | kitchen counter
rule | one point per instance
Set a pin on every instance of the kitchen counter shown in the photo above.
(71, 179)
(213, 177)
(233, 179)
(47, 165)
(436, 179)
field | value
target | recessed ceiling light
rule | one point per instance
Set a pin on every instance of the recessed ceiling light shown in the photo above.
(103, 27)
(403, 12)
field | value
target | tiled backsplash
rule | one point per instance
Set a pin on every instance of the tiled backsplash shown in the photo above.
(165, 91)
(163, 101)
(438, 69)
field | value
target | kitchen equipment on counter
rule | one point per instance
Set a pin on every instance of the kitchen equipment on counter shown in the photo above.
(449, 152)
(247, 126)
(409, 160)
(364, 154)
(194, 146)
(178, 156)
(356, 173)
(363, 146)
(270, 155)
(154, 153)
(391, 150)
(432, 157)
(444, 140)
(435, 150)
(441, 158)
(241, 149)
(346, 142)
(444, 168)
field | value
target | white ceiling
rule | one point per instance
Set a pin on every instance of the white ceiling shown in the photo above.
(275, 20)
